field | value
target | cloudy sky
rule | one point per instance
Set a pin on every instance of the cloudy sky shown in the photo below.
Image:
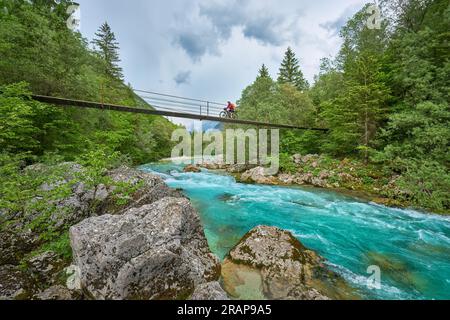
(212, 49)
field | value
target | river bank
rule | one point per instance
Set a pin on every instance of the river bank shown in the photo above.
(349, 177)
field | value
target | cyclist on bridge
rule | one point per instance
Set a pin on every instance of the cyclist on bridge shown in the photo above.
(231, 107)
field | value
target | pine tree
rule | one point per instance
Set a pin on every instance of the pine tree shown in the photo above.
(263, 72)
(290, 71)
(107, 48)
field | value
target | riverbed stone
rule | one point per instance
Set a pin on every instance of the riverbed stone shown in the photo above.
(286, 178)
(297, 158)
(214, 165)
(270, 263)
(209, 291)
(258, 175)
(239, 168)
(157, 251)
(192, 169)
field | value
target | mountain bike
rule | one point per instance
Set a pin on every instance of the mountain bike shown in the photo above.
(228, 115)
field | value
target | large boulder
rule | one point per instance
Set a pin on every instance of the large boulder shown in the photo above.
(157, 251)
(258, 175)
(270, 263)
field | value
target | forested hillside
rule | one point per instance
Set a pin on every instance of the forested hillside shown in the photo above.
(41, 55)
(385, 99)
(47, 153)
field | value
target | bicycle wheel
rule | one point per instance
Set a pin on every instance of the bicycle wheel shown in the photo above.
(223, 114)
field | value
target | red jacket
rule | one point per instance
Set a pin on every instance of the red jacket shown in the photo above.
(231, 106)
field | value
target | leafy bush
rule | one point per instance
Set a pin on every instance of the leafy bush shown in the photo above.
(427, 184)
(286, 163)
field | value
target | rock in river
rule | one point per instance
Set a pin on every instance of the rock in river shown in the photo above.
(258, 175)
(191, 168)
(270, 263)
(157, 251)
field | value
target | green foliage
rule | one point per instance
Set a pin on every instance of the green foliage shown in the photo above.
(286, 163)
(263, 72)
(306, 142)
(107, 49)
(385, 98)
(420, 133)
(290, 72)
(97, 163)
(268, 101)
(35, 41)
(60, 246)
(425, 184)
(356, 110)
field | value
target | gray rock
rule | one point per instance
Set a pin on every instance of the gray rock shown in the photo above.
(152, 188)
(310, 158)
(45, 267)
(209, 291)
(317, 182)
(286, 178)
(192, 169)
(270, 263)
(239, 168)
(258, 175)
(297, 158)
(158, 251)
(68, 170)
(15, 284)
(14, 245)
(80, 204)
(57, 293)
(306, 178)
(214, 165)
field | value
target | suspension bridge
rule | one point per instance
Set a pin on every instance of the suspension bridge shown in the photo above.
(171, 106)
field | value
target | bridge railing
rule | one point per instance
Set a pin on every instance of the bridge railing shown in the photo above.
(172, 103)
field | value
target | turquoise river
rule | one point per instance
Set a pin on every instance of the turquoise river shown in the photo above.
(411, 249)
